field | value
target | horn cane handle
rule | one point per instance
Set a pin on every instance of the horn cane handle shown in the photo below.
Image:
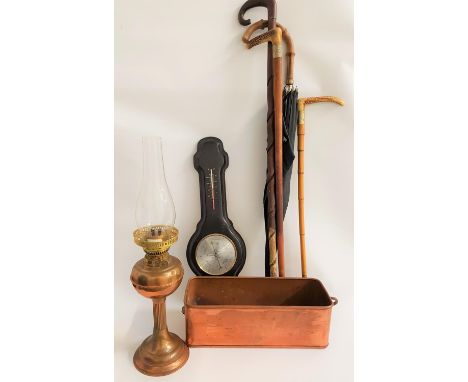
(260, 24)
(273, 36)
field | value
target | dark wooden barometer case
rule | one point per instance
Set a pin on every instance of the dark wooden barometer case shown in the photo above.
(211, 162)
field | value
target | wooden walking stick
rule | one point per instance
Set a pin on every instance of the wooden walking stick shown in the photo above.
(290, 96)
(275, 37)
(300, 170)
(271, 260)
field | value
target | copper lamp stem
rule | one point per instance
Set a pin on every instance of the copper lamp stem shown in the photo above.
(159, 314)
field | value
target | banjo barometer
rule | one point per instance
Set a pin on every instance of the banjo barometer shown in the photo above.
(216, 248)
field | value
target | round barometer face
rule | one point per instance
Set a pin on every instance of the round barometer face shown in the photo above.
(216, 254)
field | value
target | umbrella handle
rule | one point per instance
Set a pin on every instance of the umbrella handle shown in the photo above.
(270, 5)
(290, 52)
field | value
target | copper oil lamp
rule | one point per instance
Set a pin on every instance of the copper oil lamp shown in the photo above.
(158, 274)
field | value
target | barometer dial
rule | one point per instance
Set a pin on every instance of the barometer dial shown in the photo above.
(216, 254)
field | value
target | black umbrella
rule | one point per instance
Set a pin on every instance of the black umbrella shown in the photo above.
(290, 95)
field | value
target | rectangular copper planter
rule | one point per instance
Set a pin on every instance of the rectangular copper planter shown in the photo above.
(257, 312)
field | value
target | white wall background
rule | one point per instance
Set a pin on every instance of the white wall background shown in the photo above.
(182, 73)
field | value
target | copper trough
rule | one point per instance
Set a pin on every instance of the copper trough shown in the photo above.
(257, 312)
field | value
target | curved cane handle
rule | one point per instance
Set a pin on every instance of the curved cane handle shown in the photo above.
(306, 101)
(273, 36)
(290, 52)
(270, 5)
(260, 24)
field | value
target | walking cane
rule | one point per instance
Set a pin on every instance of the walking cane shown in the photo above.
(269, 208)
(290, 96)
(300, 170)
(275, 37)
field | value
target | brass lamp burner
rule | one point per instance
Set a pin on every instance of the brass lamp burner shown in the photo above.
(156, 276)
(156, 239)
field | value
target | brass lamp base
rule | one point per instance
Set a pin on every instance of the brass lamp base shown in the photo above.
(158, 356)
(156, 276)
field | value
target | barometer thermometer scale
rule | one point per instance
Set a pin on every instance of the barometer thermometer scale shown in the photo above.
(211, 187)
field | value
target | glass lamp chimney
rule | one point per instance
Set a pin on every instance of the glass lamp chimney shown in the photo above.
(155, 207)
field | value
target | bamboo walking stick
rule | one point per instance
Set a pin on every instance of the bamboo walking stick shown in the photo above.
(300, 169)
(275, 37)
